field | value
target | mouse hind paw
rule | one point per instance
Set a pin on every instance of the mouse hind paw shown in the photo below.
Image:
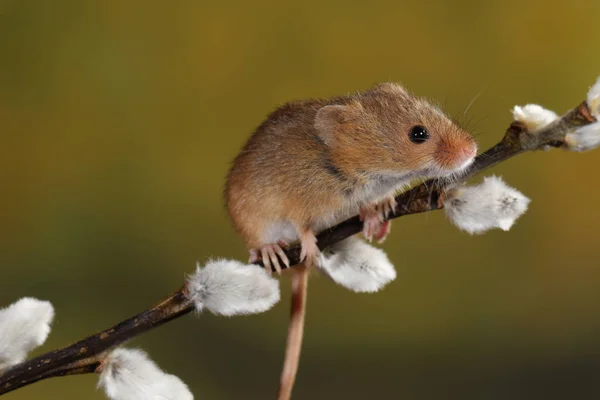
(271, 256)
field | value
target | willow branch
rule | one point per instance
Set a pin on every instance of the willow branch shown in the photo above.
(87, 355)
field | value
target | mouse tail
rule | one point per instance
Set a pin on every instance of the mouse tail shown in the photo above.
(295, 333)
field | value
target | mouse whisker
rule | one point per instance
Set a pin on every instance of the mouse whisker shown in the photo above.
(473, 101)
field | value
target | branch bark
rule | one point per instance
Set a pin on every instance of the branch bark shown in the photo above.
(87, 355)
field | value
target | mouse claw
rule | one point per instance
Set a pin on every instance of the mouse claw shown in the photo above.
(266, 260)
(389, 206)
(282, 255)
(270, 259)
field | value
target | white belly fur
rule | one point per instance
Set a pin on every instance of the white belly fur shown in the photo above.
(286, 230)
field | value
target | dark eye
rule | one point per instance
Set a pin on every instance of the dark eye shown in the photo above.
(418, 134)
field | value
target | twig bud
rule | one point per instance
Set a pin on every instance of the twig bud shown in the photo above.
(535, 117)
(593, 99)
(357, 266)
(228, 287)
(24, 325)
(129, 374)
(491, 204)
(585, 138)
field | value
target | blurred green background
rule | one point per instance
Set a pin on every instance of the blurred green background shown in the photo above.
(119, 119)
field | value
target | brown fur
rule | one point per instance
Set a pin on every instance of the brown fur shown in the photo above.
(303, 161)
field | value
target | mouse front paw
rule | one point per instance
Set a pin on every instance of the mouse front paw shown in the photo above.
(374, 217)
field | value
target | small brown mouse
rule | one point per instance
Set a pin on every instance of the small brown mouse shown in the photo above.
(312, 164)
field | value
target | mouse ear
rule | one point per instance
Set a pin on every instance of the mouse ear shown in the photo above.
(330, 121)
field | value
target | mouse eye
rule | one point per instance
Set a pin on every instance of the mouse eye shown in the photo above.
(418, 134)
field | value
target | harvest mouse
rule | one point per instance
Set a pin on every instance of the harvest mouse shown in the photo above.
(312, 164)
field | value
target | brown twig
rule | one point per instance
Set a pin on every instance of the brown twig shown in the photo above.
(86, 355)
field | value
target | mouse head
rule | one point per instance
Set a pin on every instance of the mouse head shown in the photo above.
(388, 131)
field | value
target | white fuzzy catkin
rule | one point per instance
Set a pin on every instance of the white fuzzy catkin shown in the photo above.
(584, 138)
(593, 99)
(24, 325)
(535, 117)
(129, 374)
(229, 287)
(357, 266)
(491, 204)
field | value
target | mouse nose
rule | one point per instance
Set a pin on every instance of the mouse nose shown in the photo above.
(467, 154)
(455, 155)
(470, 151)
